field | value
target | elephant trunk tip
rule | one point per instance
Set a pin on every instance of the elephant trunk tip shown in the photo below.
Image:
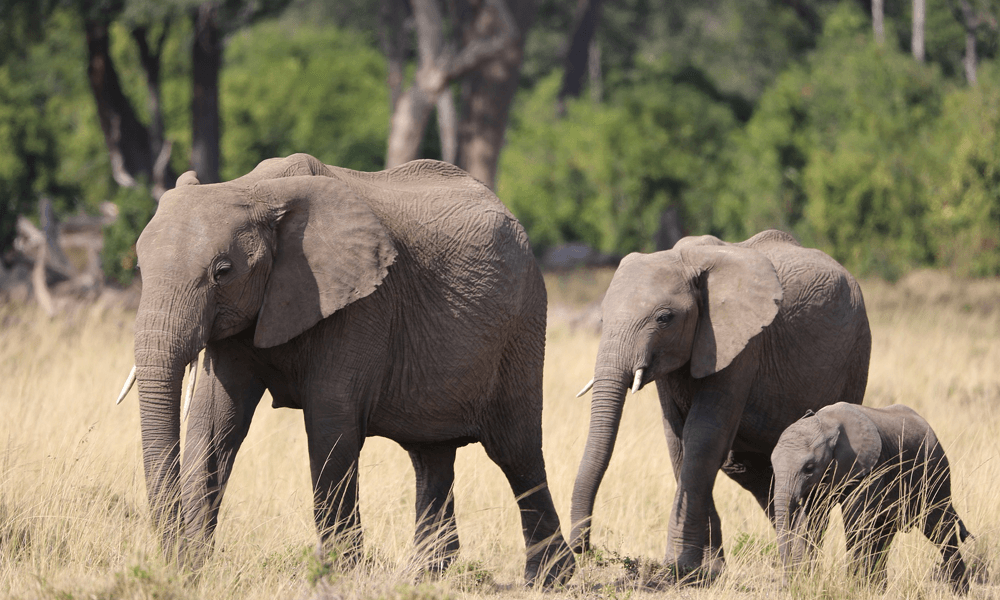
(580, 538)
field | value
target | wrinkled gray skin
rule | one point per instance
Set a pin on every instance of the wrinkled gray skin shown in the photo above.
(404, 304)
(741, 339)
(887, 469)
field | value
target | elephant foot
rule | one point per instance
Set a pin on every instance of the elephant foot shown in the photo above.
(955, 574)
(553, 565)
(698, 575)
(437, 561)
(193, 554)
(342, 551)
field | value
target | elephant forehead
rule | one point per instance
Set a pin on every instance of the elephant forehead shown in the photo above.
(648, 281)
(801, 435)
(182, 234)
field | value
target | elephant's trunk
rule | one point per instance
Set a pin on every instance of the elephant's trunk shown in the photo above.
(611, 381)
(162, 349)
(789, 521)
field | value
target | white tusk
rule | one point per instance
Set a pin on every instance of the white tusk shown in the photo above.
(128, 385)
(637, 382)
(586, 388)
(192, 379)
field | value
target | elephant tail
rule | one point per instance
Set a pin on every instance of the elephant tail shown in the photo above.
(963, 533)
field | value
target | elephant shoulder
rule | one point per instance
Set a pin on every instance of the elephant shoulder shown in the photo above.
(769, 237)
(698, 240)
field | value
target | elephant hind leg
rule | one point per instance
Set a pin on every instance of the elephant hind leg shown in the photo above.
(436, 536)
(549, 557)
(941, 526)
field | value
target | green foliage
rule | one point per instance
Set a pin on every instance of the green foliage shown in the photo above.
(836, 153)
(604, 172)
(964, 215)
(37, 114)
(135, 209)
(306, 89)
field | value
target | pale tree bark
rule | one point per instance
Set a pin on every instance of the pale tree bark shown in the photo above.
(579, 53)
(206, 60)
(972, 19)
(440, 64)
(135, 150)
(489, 93)
(396, 24)
(919, 16)
(878, 21)
(594, 65)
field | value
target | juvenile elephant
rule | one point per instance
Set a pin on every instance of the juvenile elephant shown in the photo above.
(740, 339)
(404, 304)
(886, 469)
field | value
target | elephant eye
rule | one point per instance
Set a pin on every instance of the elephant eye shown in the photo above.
(809, 468)
(220, 270)
(664, 317)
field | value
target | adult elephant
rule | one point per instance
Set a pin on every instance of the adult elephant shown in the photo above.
(404, 304)
(741, 339)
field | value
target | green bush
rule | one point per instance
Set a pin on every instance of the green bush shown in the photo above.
(306, 89)
(135, 209)
(603, 173)
(838, 153)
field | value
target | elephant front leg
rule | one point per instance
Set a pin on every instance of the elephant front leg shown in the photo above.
(334, 449)
(694, 525)
(436, 536)
(221, 410)
(869, 527)
(673, 427)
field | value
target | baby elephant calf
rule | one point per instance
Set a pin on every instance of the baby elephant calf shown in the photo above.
(886, 469)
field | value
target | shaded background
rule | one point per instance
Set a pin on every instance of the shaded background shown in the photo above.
(866, 129)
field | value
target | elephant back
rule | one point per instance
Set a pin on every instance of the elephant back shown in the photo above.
(452, 227)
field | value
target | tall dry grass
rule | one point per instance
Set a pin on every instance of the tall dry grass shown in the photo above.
(74, 523)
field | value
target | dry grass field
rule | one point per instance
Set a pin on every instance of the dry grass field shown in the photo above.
(74, 523)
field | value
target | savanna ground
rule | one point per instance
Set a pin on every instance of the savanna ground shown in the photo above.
(74, 522)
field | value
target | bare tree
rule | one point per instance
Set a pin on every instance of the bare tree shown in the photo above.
(972, 19)
(488, 92)
(878, 21)
(919, 16)
(206, 60)
(491, 48)
(582, 50)
(136, 151)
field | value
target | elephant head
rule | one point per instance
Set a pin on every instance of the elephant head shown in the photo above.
(815, 460)
(695, 308)
(278, 249)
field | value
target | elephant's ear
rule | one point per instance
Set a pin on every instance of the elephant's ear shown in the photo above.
(740, 293)
(330, 250)
(188, 178)
(289, 166)
(857, 448)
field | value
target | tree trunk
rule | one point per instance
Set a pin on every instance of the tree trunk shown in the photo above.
(919, 16)
(206, 59)
(969, 61)
(392, 37)
(488, 97)
(594, 64)
(447, 126)
(671, 229)
(878, 21)
(493, 32)
(132, 150)
(578, 55)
